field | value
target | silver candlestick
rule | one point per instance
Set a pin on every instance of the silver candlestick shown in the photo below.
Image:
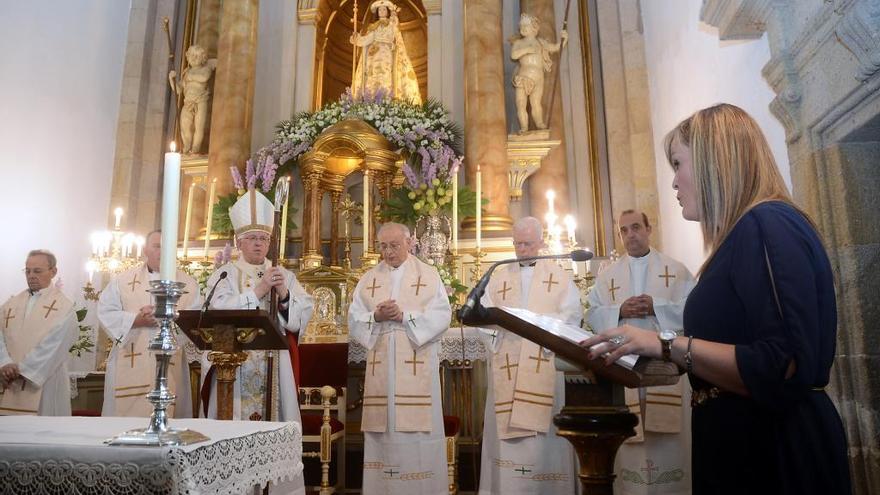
(165, 294)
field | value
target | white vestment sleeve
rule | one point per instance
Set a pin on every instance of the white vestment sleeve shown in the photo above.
(425, 326)
(361, 325)
(225, 297)
(301, 306)
(5, 358)
(571, 311)
(51, 352)
(601, 317)
(670, 314)
(116, 321)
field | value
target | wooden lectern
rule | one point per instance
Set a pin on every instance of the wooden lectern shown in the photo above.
(227, 333)
(595, 418)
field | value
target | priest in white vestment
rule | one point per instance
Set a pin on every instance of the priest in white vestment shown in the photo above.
(248, 285)
(39, 327)
(648, 289)
(522, 454)
(400, 310)
(125, 310)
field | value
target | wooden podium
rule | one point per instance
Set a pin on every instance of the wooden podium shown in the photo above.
(227, 333)
(595, 418)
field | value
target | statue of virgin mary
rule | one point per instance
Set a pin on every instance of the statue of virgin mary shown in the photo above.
(383, 61)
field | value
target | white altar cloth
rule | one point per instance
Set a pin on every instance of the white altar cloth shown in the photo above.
(67, 455)
(452, 347)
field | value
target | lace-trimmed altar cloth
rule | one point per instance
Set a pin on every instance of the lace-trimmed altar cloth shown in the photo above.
(66, 455)
(450, 347)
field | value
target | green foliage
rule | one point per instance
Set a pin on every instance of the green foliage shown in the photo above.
(401, 204)
(84, 342)
(221, 224)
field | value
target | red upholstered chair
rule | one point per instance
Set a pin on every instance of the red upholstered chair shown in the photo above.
(452, 428)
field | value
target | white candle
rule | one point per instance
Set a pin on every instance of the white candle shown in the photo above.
(118, 214)
(551, 195)
(283, 232)
(170, 211)
(90, 267)
(570, 226)
(140, 241)
(186, 222)
(479, 206)
(366, 212)
(210, 219)
(455, 213)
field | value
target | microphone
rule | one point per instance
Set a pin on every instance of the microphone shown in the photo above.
(476, 293)
(211, 294)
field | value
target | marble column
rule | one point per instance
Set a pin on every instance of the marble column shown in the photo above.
(233, 91)
(485, 125)
(209, 26)
(553, 173)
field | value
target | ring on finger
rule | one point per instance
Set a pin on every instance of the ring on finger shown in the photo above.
(617, 340)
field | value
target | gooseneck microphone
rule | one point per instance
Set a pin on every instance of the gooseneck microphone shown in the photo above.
(473, 299)
(211, 294)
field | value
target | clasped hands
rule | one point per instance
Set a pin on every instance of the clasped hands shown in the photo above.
(273, 279)
(9, 373)
(144, 317)
(637, 307)
(388, 311)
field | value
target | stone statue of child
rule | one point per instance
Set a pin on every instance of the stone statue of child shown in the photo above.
(194, 85)
(533, 55)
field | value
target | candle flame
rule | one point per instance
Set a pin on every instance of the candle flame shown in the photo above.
(551, 194)
(172, 147)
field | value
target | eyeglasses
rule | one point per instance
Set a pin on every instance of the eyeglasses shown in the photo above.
(257, 238)
(394, 246)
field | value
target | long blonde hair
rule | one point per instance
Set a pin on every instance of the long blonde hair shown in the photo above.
(733, 169)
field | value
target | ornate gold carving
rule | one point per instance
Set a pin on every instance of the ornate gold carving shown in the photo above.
(524, 155)
(247, 335)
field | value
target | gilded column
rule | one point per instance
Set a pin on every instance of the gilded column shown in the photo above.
(485, 126)
(312, 256)
(335, 196)
(553, 173)
(233, 91)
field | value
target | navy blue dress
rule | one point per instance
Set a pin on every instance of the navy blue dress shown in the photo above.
(787, 437)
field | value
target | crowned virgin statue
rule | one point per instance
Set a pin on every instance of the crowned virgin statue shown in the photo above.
(383, 62)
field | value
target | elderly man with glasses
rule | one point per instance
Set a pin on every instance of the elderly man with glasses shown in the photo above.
(38, 327)
(398, 312)
(249, 283)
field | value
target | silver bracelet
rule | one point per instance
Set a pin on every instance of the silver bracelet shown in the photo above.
(688, 357)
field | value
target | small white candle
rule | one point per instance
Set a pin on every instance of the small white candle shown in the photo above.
(455, 213)
(210, 219)
(570, 226)
(170, 211)
(90, 267)
(140, 241)
(186, 222)
(118, 214)
(366, 212)
(551, 195)
(479, 207)
(283, 233)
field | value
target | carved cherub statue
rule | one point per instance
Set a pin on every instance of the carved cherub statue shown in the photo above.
(533, 56)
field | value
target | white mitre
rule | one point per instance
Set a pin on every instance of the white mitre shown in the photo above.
(384, 3)
(252, 212)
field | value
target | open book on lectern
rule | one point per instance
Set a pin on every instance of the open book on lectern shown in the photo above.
(569, 332)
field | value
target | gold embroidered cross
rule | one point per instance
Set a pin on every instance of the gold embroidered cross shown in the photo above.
(538, 358)
(132, 354)
(414, 362)
(9, 316)
(373, 363)
(50, 308)
(418, 285)
(612, 289)
(503, 291)
(373, 288)
(550, 283)
(508, 366)
(134, 282)
(666, 275)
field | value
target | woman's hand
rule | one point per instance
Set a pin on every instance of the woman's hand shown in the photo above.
(621, 341)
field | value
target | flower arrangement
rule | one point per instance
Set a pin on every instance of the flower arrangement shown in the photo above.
(84, 342)
(455, 289)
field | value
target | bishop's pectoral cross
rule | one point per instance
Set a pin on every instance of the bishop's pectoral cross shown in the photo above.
(132, 354)
(538, 358)
(9, 316)
(612, 289)
(50, 308)
(414, 362)
(504, 290)
(418, 285)
(508, 366)
(134, 282)
(666, 275)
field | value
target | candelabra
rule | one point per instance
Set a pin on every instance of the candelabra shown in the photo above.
(165, 295)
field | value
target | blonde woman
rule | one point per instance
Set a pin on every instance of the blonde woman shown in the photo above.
(760, 325)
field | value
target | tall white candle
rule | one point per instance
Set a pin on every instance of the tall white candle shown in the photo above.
(570, 226)
(186, 222)
(283, 232)
(210, 219)
(455, 213)
(170, 212)
(366, 212)
(118, 214)
(479, 207)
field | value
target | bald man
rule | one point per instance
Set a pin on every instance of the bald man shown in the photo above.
(647, 289)
(521, 452)
(399, 311)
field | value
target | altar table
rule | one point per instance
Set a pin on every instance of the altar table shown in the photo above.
(67, 455)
